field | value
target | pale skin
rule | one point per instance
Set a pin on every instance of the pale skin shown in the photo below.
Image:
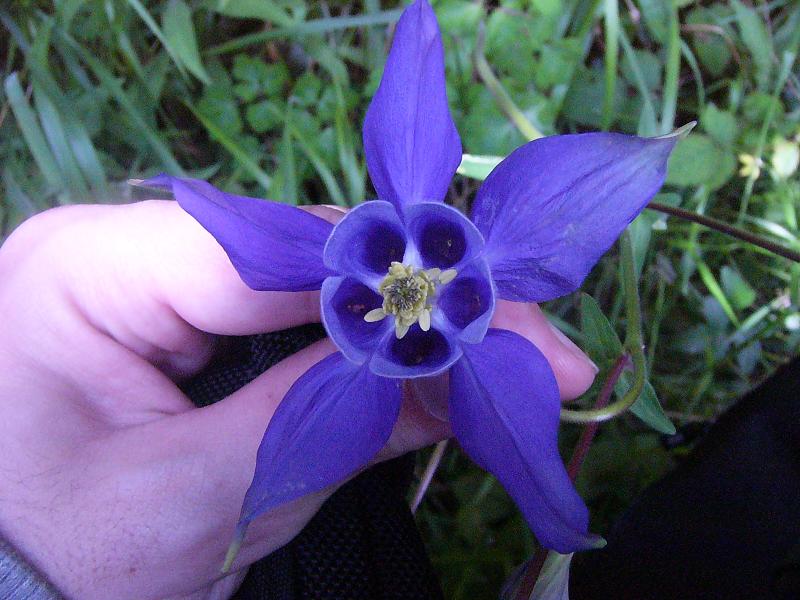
(111, 482)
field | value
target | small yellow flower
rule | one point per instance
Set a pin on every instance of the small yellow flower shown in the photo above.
(751, 166)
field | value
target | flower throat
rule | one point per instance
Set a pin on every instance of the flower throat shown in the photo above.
(407, 295)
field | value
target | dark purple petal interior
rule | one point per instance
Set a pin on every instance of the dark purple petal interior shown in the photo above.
(345, 301)
(418, 354)
(273, 246)
(504, 410)
(465, 299)
(410, 141)
(331, 422)
(553, 207)
(366, 241)
(444, 238)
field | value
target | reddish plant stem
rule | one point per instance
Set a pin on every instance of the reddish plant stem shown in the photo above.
(589, 431)
(573, 468)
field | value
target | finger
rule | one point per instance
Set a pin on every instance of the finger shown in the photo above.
(149, 276)
(574, 371)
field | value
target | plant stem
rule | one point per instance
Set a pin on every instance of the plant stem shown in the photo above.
(727, 229)
(589, 431)
(575, 462)
(501, 96)
(633, 343)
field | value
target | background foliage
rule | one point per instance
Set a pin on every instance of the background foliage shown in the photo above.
(266, 97)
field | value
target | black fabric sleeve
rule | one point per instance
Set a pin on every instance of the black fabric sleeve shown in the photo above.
(19, 580)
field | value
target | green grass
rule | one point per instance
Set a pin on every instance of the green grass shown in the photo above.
(267, 98)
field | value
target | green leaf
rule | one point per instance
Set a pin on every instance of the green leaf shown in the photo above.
(266, 10)
(179, 31)
(656, 17)
(601, 341)
(756, 38)
(721, 125)
(263, 116)
(736, 288)
(478, 167)
(697, 160)
(257, 78)
(711, 48)
(647, 407)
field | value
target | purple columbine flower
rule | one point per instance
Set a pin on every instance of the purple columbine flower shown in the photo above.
(408, 287)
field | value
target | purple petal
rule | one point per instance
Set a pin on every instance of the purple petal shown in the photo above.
(553, 207)
(272, 246)
(345, 301)
(504, 407)
(410, 141)
(442, 236)
(418, 354)
(366, 241)
(331, 423)
(467, 303)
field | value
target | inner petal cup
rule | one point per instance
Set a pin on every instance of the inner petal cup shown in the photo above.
(442, 236)
(345, 301)
(366, 241)
(418, 354)
(467, 303)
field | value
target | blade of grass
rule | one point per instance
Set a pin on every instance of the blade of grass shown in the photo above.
(179, 30)
(714, 288)
(611, 23)
(156, 30)
(16, 197)
(227, 142)
(671, 71)
(310, 27)
(58, 140)
(114, 87)
(501, 96)
(32, 132)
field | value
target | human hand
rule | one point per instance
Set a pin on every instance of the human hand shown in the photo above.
(112, 483)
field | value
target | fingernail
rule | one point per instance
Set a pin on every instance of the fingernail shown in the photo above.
(570, 346)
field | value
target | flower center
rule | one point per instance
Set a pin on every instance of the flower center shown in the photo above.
(407, 294)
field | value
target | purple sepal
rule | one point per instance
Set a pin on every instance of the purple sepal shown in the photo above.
(344, 302)
(467, 303)
(410, 141)
(331, 423)
(441, 236)
(365, 242)
(504, 410)
(418, 354)
(272, 246)
(551, 209)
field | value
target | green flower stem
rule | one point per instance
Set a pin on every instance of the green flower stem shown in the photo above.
(633, 344)
(501, 96)
(727, 229)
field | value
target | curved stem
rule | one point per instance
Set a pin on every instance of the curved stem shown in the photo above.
(633, 344)
(727, 229)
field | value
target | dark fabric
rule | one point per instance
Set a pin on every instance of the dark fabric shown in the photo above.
(725, 524)
(363, 543)
(19, 580)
